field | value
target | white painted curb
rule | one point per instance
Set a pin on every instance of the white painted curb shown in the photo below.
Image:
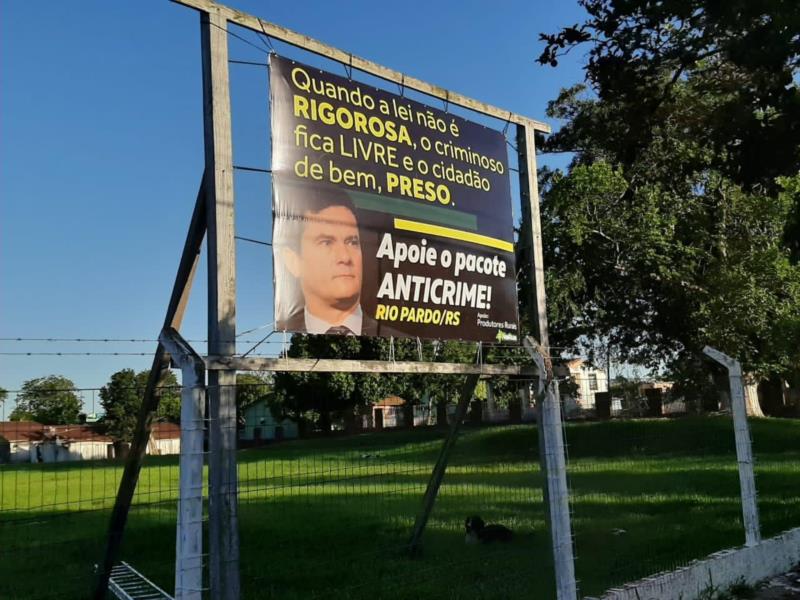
(722, 569)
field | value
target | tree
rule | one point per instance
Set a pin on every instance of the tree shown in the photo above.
(325, 396)
(169, 403)
(672, 228)
(49, 400)
(252, 388)
(122, 397)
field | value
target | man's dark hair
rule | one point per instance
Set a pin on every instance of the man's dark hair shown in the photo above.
(297, 203)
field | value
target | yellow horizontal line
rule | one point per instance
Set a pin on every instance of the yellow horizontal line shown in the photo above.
(453, 234)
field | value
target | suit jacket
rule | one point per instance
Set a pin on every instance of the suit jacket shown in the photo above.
(297, 323)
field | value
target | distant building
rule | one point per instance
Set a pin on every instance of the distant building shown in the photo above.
(394, 411)
(589, 381)
(259, 424)
(664, 386)
(29, 441)
(17, 438)
(165, 438)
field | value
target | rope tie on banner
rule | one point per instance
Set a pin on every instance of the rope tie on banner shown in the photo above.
(402, 85)
(446, 100)
(508, 122)
(479, 354)
(391, 349)
(266, 36)
(349, 68)
(419, 349)
(285, 350)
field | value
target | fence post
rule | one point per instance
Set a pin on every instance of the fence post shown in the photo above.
(557, 493)
(189, 534)
(744, 449)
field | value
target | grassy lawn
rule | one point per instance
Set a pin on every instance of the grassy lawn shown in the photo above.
(330, 518)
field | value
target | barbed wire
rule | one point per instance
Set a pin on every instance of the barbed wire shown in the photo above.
(239, 340)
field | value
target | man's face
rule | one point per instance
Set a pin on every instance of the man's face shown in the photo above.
(329, 262)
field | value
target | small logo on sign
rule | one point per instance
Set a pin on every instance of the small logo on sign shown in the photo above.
(502, 336)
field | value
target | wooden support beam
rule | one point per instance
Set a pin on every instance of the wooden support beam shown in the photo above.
(531, 233)
(441, 464)
(322, 365)
(549, 422)
(311, 45)
(133, 465)
(223, 494)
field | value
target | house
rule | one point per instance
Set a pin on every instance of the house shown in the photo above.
(589, 381)
(63, 443)
(394, 411)
(29, 441)
(165, 438)
(17, 438)
(260, 424)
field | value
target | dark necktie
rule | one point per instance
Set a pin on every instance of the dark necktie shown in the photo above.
(340, 330)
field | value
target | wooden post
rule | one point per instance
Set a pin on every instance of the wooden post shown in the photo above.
(223, 497)
(133, 465)
(189, 530)
(441, 464)
(549, 413)
(744, 449)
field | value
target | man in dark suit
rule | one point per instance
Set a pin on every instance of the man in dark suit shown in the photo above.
(320, 245)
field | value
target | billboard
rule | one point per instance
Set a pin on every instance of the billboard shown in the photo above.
(390, 217)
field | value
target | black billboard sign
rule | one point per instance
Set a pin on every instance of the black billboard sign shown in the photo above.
(390, 217)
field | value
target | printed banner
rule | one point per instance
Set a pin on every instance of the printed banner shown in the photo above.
(390, 218)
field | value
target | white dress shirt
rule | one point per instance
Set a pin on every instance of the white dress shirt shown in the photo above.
(317, 325)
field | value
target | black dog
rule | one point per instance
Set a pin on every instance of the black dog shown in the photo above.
(478, 531)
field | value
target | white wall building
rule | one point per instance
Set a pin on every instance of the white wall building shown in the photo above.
(589, 381)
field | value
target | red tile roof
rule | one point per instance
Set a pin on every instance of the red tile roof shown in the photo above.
(31, 431)
(165, 431)
(391, 401)
(21, 431)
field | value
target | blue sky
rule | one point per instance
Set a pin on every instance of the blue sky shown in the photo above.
(101, 151)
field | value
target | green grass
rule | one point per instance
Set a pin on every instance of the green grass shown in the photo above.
(330, 518)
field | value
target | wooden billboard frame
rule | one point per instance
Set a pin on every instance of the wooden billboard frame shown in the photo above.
(213, 219)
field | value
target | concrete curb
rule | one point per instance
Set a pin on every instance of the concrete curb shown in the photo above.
(722, 569)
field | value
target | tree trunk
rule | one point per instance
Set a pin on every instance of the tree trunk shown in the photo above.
(325, 422)
(751, 403)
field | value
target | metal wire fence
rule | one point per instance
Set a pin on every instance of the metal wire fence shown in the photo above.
(331, 516)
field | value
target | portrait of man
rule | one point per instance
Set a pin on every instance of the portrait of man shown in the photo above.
(318, 248)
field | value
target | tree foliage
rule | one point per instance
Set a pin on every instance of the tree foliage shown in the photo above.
(674, 226)
(324, 397)
(49, 400)
(122, 397)
(252, 388)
